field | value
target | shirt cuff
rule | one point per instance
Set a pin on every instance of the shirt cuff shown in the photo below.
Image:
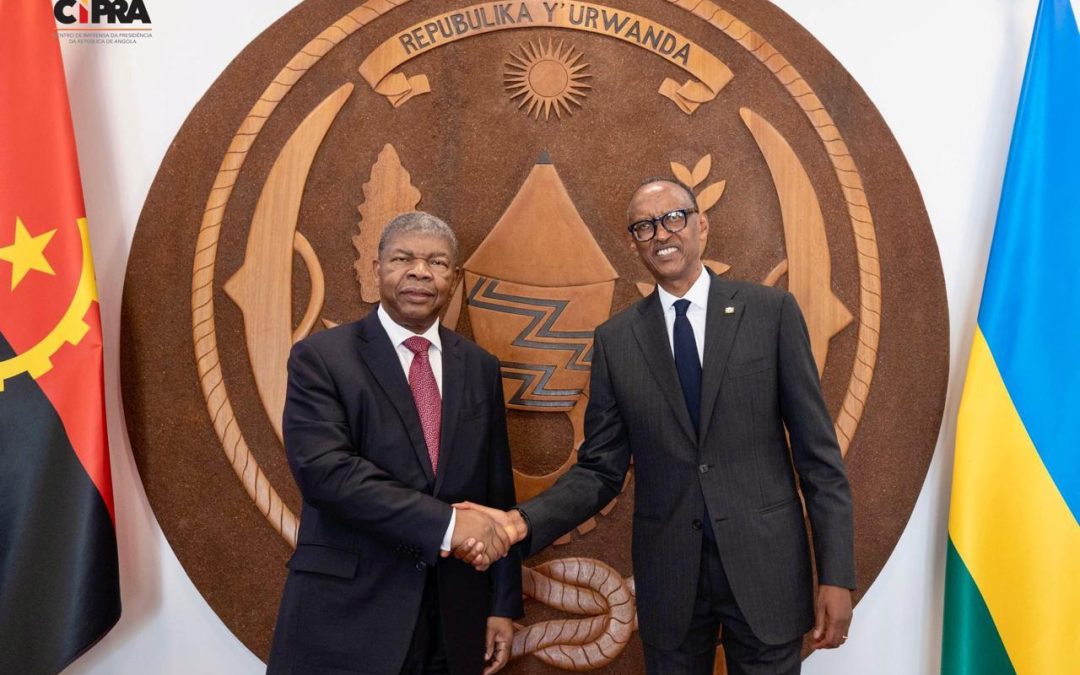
(448, 538)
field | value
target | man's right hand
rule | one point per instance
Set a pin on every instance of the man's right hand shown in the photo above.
(472, 551)
(483, 536)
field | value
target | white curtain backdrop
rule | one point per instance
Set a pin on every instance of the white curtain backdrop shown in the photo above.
(945, 75)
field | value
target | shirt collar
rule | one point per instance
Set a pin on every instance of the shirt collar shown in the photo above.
(698, 295)
(399, 333)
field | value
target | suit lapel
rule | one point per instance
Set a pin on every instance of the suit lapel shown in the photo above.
(722, 318)
(378, 354)
(453, 391)
(652, 337)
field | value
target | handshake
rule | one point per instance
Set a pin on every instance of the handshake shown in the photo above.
(483, 535)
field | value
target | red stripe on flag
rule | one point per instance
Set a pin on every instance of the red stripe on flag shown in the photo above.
(40, 192)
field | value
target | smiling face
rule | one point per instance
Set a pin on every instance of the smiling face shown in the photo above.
(416, 272)
(673, 259)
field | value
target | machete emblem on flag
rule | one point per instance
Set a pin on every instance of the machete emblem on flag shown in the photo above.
(71, 328)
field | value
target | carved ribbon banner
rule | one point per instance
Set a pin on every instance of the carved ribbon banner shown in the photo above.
(710, 72)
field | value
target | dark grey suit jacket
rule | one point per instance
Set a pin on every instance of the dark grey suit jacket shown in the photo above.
(374, 513)
(758, 375)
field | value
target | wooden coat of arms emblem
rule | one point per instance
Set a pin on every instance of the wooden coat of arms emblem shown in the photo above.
(526, 125)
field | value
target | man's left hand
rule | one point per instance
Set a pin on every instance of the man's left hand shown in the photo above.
(832, 617)
(500, 636)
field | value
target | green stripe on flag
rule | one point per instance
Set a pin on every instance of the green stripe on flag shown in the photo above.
(971, 644)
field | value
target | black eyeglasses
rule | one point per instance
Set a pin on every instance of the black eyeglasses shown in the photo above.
(672, 221)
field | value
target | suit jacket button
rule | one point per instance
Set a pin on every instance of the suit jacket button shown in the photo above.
(704, 468)
(421, 565)
(696, 524)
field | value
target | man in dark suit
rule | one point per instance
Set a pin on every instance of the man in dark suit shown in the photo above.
(388, 421)
(697, 383)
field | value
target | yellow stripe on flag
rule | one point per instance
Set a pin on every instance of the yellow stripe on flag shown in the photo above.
(1012, 528)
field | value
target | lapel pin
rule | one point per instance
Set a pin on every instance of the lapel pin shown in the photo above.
(729, 310)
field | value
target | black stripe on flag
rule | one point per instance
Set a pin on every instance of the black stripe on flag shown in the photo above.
(59, 583)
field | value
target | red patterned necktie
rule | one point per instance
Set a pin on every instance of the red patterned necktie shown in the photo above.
(425, 392)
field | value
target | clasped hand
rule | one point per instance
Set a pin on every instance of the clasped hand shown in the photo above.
(483, 535)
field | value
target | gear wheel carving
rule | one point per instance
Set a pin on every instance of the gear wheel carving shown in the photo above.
(71, 328)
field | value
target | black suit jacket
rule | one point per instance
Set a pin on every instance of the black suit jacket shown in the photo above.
(374, 514)
(758, 376)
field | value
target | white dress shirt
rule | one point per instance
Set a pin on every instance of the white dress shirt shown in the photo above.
(398, 335)
(698, 295)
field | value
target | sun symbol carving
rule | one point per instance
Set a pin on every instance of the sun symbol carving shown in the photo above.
(546, 77)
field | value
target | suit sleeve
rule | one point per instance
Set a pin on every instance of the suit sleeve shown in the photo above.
(815, 452)
(598, 475)
(506, 573)
(335, 479)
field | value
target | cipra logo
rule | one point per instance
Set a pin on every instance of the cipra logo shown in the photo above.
(70, 12)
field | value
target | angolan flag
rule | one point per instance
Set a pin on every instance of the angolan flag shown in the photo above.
(59, 585)
(1012, 586)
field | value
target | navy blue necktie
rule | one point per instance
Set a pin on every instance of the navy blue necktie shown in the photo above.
(686, 361)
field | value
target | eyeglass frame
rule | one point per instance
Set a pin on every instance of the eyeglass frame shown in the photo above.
(658, 222)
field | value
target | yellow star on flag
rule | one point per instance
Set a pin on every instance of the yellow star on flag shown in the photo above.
(27, 253)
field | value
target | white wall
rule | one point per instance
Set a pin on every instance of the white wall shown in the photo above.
(945, 75)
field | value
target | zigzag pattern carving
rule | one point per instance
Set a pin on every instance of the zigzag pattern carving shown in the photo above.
(538, 334)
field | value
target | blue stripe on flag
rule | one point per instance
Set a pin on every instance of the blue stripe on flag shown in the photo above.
(1030, 310)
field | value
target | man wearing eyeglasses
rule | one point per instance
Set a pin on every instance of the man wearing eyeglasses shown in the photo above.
(696, 383)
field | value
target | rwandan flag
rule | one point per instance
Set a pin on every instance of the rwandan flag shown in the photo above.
(59, 587)
(1012, 586)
